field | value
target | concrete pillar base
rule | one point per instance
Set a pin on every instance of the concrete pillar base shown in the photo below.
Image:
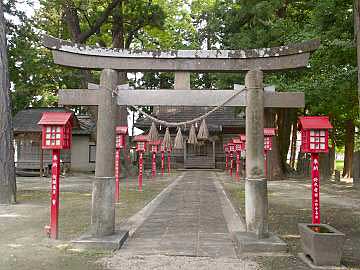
(256, 207)
(103, 207)
(249, 243)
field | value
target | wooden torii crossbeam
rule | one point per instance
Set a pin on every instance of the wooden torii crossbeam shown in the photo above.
(107, 97)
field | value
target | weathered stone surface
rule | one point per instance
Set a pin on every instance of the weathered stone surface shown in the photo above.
(182, 80)
(256, 207)
(103, 205)
(181, 98)
(325, 249)
(254, 125)
(111, 242)
(256, 198)
(249, 243)
(278, 58)
(63, 45)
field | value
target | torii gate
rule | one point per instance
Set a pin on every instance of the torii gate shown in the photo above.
(108, 96)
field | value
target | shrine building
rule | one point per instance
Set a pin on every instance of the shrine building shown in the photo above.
(223, 124)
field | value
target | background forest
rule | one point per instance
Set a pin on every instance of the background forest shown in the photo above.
(329, 82)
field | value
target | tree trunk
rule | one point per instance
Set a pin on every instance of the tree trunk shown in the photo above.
(285, 119)
(293, 145)
(118, 41)
(303, 164)
(7, 164)
(357, 37)
(275, 169)
(349, 147)
(325, 166)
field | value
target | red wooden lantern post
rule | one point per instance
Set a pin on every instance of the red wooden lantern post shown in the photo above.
(169, 159)
(268, 134)
(231, 151)
(162, 150)
(315, 140)
(154, 149)
(121, 132)
(243, 146)
(141, 141)
(56, 135)
(238, 147)
(226, 150)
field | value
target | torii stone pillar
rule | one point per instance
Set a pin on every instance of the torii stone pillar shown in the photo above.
(256, 198)
(182, 80)
(103, 204)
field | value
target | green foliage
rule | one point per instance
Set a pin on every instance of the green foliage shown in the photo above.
(329, 83)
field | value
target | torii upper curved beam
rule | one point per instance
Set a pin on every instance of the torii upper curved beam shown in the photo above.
(267, 59)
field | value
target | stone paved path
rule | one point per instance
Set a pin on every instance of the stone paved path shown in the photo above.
(188, 222)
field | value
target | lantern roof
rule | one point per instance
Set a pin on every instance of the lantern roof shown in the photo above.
(122, 130)
(237, 140)
(158, 142)
(55, 118)
(314, 122)
(269, 131)
(141, 138)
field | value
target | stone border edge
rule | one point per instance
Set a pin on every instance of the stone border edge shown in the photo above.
(135, 221)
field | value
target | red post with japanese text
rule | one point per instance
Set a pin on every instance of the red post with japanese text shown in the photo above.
(315, 175)
(55, 185)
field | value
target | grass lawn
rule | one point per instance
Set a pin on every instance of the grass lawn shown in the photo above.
(339, 165)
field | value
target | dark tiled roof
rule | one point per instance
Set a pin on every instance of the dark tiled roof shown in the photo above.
(223, 117)
(27, 121)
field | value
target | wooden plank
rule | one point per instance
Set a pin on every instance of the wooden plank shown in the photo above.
(205, 98)
(79, 97)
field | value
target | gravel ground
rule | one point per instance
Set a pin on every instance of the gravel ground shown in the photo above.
(162, 262)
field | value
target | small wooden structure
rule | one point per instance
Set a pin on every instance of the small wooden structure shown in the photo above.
(32, 160)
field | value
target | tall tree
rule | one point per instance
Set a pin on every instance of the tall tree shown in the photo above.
(7, 165)
(357, 40)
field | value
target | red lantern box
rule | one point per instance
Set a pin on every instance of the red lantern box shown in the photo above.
(56, 135)
(239, 146)
(268, 134)
(231, 147)
(56, 130)
(243, 139)
(314, 134)
(155, 146)
(226, 150)
(121, 132)
(231, 156)
(141, 143)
